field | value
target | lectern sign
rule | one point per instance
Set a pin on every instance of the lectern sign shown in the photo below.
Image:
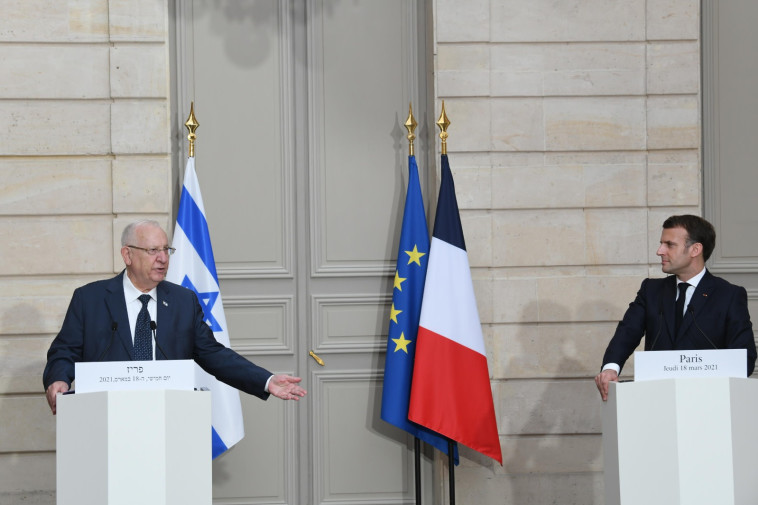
(135, 375)
(653, 365)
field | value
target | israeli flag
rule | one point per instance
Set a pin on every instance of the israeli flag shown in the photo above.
(193, 267)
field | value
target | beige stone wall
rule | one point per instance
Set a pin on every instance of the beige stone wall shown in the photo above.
(575, 132)
(84, 147)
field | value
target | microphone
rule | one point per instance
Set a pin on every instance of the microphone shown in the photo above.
(114, 327)
(126, 350)
(660, 327)
(689, 309)
(660, 319)
(153, 327)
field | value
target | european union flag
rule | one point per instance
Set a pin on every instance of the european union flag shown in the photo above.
(412, 257)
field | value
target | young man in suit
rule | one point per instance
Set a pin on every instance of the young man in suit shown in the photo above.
(101, 320)
(689, 309)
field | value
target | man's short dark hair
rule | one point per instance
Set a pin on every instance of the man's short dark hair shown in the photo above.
(698, 230)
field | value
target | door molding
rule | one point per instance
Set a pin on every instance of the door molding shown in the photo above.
(732, 214)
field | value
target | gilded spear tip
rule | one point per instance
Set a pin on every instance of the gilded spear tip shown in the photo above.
(410, 125)
(192, 125)
(443, 122)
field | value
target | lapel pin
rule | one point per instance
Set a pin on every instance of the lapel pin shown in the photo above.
(165, 304)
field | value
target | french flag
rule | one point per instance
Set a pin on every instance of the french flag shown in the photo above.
(451, 392)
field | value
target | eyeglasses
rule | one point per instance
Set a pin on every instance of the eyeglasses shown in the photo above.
(155, 250)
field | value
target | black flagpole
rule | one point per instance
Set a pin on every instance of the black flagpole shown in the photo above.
(417, 454)
(451, 471)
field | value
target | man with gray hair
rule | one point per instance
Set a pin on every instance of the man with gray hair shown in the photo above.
(101, 321)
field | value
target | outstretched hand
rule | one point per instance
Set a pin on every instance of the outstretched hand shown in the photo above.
(286, 387)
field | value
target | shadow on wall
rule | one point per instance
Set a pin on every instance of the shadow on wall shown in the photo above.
(549, 417)
(27, 428)
(22, 349)
(250, 21)
(549, 421)
(553, 446)
(30, 498)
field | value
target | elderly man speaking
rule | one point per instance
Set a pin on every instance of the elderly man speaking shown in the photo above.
(112, 320)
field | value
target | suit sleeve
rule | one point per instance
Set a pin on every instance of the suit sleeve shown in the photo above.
(739, 328)
(630, 329)
(67, 347)
(224, 363)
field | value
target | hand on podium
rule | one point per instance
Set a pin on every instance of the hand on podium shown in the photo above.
(285, 387)
(603, 379)
(57, 387)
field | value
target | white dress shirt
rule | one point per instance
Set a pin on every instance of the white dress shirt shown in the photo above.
(133, 305)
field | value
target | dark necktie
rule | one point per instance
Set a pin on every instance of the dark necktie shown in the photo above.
(143, 345)
(680, 304)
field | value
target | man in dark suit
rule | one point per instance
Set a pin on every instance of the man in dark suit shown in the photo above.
(101, 319)
(711, 313)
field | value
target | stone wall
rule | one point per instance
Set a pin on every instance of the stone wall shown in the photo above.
(84, 148)
(575, 132)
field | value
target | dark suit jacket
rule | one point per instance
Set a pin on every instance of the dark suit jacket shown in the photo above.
(717, 312)
(96, 309)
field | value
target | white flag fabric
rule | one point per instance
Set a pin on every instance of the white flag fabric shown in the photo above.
(193, 267)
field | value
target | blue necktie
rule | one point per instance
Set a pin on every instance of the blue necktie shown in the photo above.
(143, 345)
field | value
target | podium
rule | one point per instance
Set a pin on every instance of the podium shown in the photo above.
(681, 441)
(134, 447)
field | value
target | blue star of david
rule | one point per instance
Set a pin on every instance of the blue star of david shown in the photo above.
(207, 301)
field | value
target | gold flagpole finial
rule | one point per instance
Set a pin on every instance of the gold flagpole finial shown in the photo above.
(192, 125)
(410, 125)
(443, 122)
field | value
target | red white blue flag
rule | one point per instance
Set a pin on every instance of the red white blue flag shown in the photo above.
(450, 391)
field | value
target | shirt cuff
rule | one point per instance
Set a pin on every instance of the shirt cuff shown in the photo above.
(266, 386)
(611, 366)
